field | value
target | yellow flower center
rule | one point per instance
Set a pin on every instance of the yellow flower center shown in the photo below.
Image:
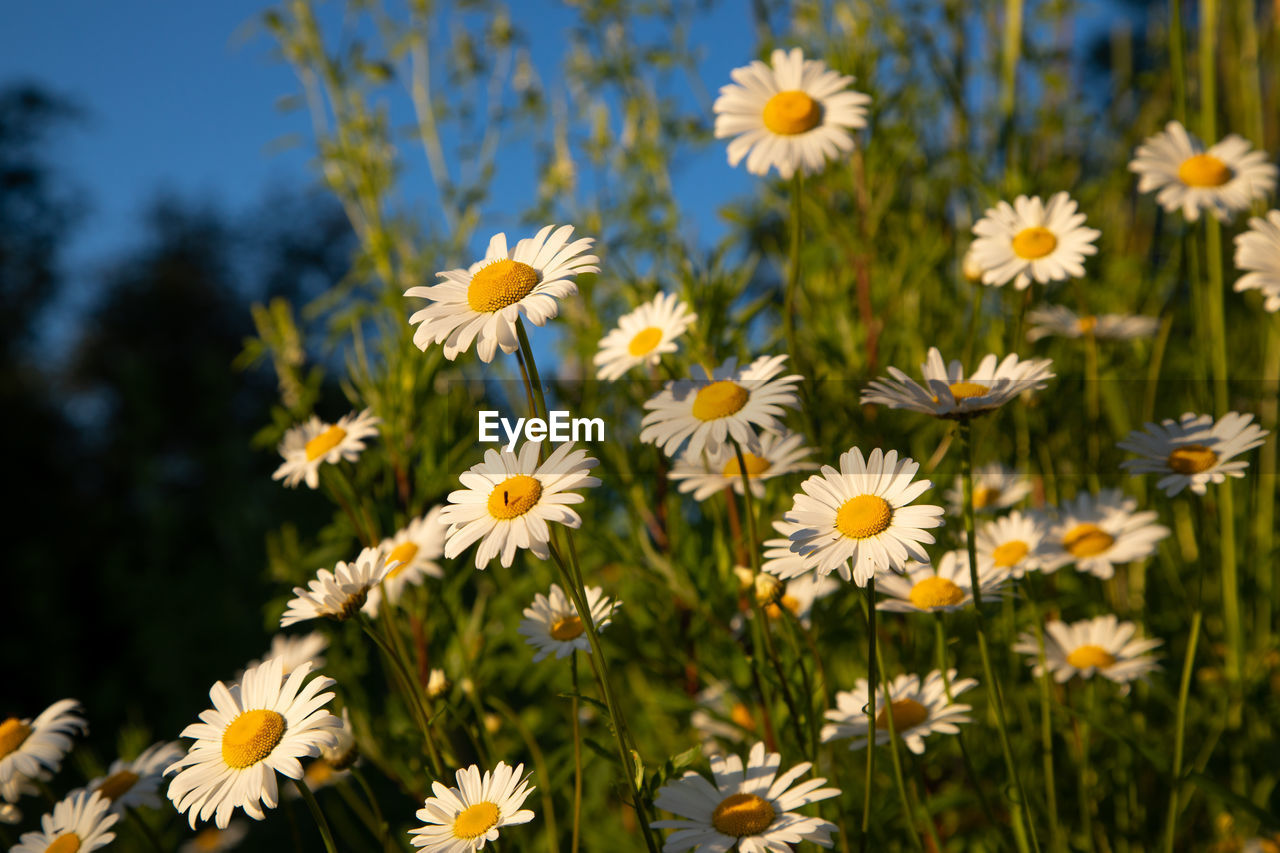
(1010, 553)
(566, 628)
(907, 714)
(251, 737)
(12, 733)
(719, 400)
(644, 341)
(1087, 540)
(774, 611)
(1090, 655)
(966, 390)
(514, 496)
(1203, 170)
(404, 552)
(743, 815)
(118, 784)
(864, 516)
(68, 843)
(791, 112)
(935, 592)
(500, 284)
(209, 839)
(1034, 243)
(985, 496)
(318, 773)
(756, 465)
(1192, 459)
(475, 821)
(1087, 324)
(324, 442)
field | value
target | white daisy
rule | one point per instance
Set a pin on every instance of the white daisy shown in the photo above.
(938, 588)
(1222, 180)
(798, 596)
(1101, 646)
(860, 514)
(1097, 533)
(78, 824)
(483, 302)
(779, 559)
(338, 594)
(1030, 239)
(465, 818)
(794, 115)
(1012, 543)
(1193, 451)
(341, 752)
(307, 446)
(255, 729)
(293, 650)
(133, 784)
(509, 499)
(416, 547)
(29, 749)
(1062, 322)
(723, 405)
(1258, 255)
(706, 474)
(552, 624)
(950, 394)
(919, 708)
(995, 488)
(750, 808)
(643, 336)
(214, 840)
(722, 717)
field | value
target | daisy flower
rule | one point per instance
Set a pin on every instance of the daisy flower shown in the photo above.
(1101, 646)
(995, 488)
(706, 474)
(1193, 451)
(722, 717)
(918, 708)
(643, 336)
(1258, 253)
(1060, 321)
(483, 302)
(133, 784)
(552, 625)
(509, 499)
(255, 729)
(950, 394)
(1222, 180)
(1099, 532)
(338, 594)
(465, 818)
(416, 547)
(78, 824)
(799, 595)
(935, 589)
(779, 559)
(749, 808)
(214, 840)
(1030, 239)
(31, 748)
(860, 514)
(1012, 543)
(793, 114)
(723, 405)
(307, 446)
(293, 650)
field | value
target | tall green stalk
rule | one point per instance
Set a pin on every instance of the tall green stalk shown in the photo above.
(871, 713)
(793, 265)
(325, 833)
(1179, 732)
(908, 807)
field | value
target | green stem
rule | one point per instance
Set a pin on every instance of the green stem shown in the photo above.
(1264, 514)
(384, 833)
(1179, 731)
(908, 811)
(871, 712)
(411, 695)
(325, 832)
(793, 266)
(146, 829)
(1177, 64)
(1086, 801)
(1046, 729)
(577, 754)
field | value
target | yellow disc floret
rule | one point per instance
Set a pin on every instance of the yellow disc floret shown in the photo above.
(935, 592)
(1034, 243)
(1203, 170)
(985, 496)
(324, 442)
(743, 815)
(644, 341)
(907, 714)
(475, 820)
(1087, 540)
(792, 112)
(864, 516)
(756, 465)
(68, 843)
(118, 784)
(566, 628)
(514, 496)
(404, 552)
(1090, 655)
(12, 734)
(1192, 459)
(719, 400)
(1010, 553)
(967, 390)
(500, 284)
(251, 737)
